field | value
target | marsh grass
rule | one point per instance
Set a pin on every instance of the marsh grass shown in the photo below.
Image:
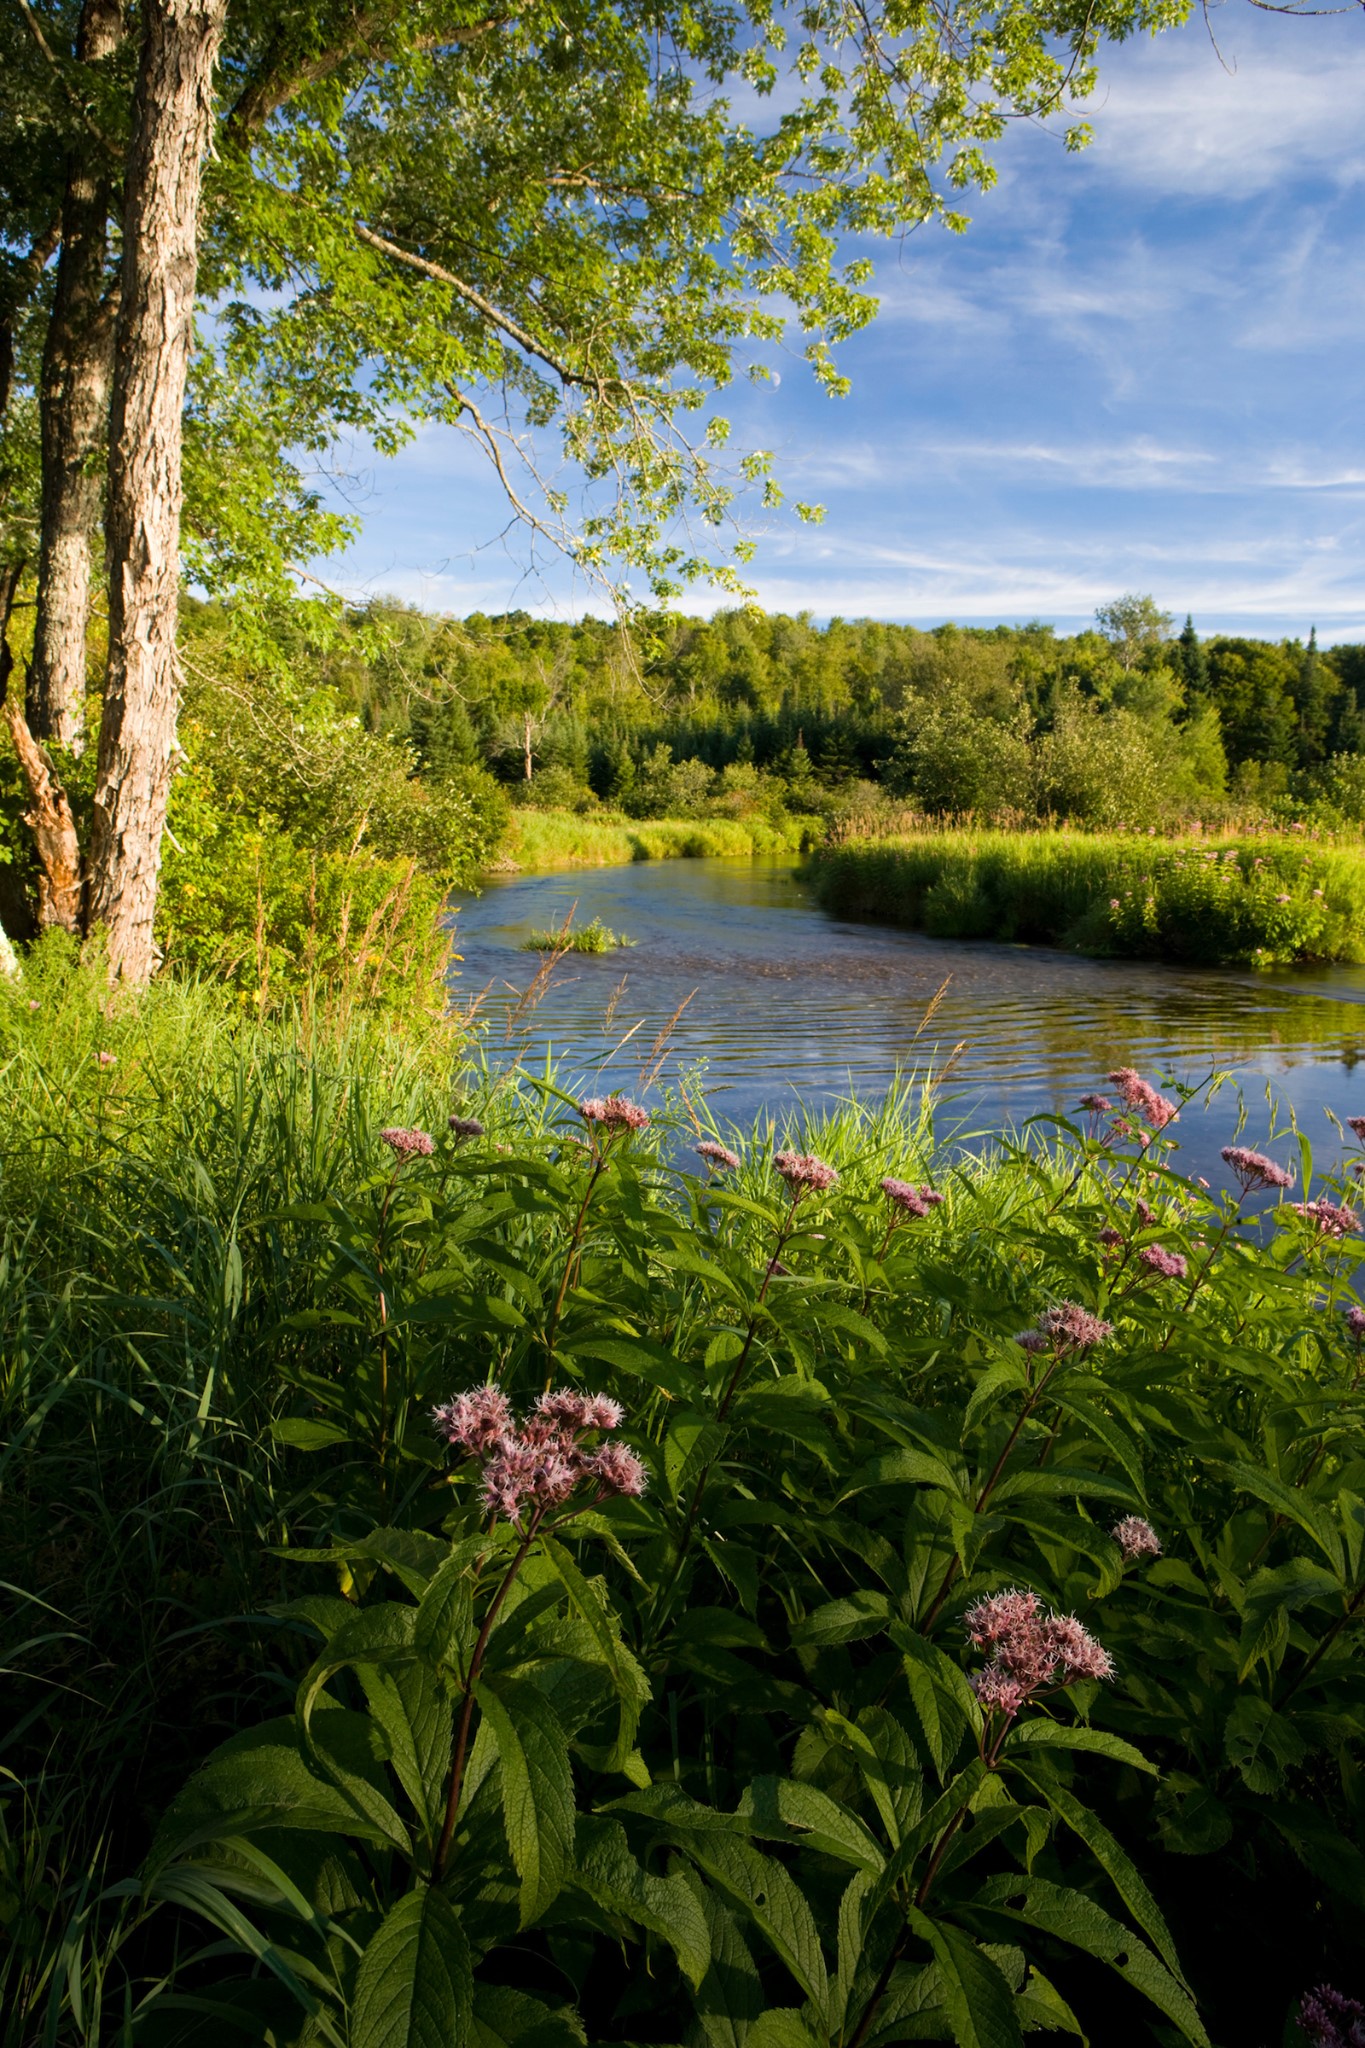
(1261, 902)
(588, 938)
(562, 839)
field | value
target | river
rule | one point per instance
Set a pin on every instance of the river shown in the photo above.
(787, 1005)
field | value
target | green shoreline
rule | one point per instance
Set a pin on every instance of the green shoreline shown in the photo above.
(538, 841)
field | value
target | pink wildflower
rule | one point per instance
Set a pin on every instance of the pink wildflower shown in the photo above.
(804, 1173)
(1136, 1537)
(1141, 1096)
(613, 1111)
(107, 1059)
(1109, 1237)
(1098, 1105)
(1254, 1170)
(1355, 1322)
(1168, 1265)
(1124, 1127)
(1068, 1327)
(34, 1004)
(1327, 2019)
(617, 1470)
(1029, 1650)
(1145, 1213)
(902, 1195)
(1332, 1219)
(718, 1155)
(475, 1421)
(1353, 1123)
(996, 1690)
(407, 1144)
(575, 1411)
(464, 1127)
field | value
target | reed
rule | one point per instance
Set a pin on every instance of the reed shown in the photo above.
(1260, 902)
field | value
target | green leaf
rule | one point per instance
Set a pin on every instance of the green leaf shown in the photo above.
(415, 1985)
(1072, 1917)
(904, 1468)
(781, 2027)
(784, 1809)
(1117, 1864)
(666, 1906)
(443, 1630)
(301, 1433)
(1054, 1735)
(764, 1893)
(848, 1620)
(504, 2018)
(537, 1788)
(589, 1602)
(978, 2001)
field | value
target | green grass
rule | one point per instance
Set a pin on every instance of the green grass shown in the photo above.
(1255, 901)
(563, 839)
(588, 938)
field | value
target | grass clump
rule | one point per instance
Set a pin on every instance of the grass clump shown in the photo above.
(992, 1659)
(1259, 902)
(587, 938)
(563, 839)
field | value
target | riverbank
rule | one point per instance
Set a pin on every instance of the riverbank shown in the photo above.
(246, 1261)
(1255, 902)
(541, 840)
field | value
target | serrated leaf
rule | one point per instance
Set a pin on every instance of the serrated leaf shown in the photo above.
(765, 1894)
(1118, 1865)
(415, 1984)
(784, 1808)
(850, 1619)
(666, 1906)
(978, 2001)
(1053, 1735)
(537, 1788)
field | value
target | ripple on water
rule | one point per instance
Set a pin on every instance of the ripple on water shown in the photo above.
(784, 1002)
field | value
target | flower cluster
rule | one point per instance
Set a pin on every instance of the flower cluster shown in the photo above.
(407, 1144)
(533, 1468)
(614, 1112)
(1065, 1327)
(1110, 1238)
(1029, 1650)
(1356, 1124)
(1098, 1105)
(1140, 1095)
(1136, 1537)
(1331, 1219)
(1355, 1322)
(804, 1173)
(1168, 1265)
(464, 1127)
(1254, 1170)
(1327, 2019)
(718, 1155)
(914, 1201)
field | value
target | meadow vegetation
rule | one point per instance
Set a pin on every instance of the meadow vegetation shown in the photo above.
(501, 1567)
(1259, 901)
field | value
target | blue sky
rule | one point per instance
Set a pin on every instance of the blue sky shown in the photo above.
(1140, 369)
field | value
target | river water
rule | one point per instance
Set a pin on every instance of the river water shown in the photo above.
(786, 1005)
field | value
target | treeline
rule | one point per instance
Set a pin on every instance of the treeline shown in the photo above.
(1126, 722)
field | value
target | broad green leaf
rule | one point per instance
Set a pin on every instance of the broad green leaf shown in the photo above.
(1042, 1734)
(1072, 1917)
(1117, 1864)
(504, 2018)
(847, 1620)
(979, 2003)
(667, 1906)
(537, 1788)
(415, 1984)
(781, 2026)
(763, 1892)
(784, 1809)
(590, 1604)
(443, 1630)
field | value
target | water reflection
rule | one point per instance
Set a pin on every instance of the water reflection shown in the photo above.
(789, 1003)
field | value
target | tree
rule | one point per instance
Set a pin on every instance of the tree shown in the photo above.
(412, 207)
(1133, 625)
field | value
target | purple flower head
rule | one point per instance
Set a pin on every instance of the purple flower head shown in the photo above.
(1145, 1213)
(407, 1144)
(476, 1421)
(1353, 1123)
(1098, 1105)
(718, 1155)
(614, 1112)
(1330, 1219)
(1137, 1134)
(1029, 1650)
(1329, 2020)
(107, 1059)
(465, 1127)
(574, 1411)
(1168, 1265)
(1136, 1537)
(617, 1470)
(1068, 1327)
(902, 1196)
(804, 1173)
(1034, 1340)
(1355, 1322)
(1254, 1170)
(1140, 1095)
(1109, 1237)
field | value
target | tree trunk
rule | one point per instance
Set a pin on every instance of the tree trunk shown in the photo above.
(74, 412)
(172, 119)
(61, 874)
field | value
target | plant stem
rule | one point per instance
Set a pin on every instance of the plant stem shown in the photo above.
(955, 1563)
(460, 1745)
(575, 1239)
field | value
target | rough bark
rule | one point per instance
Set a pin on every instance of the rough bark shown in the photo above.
(171, 127)
(74, 415)
(61, 880)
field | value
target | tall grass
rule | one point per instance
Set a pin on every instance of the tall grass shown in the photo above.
(561, 839)
(1259, 902)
